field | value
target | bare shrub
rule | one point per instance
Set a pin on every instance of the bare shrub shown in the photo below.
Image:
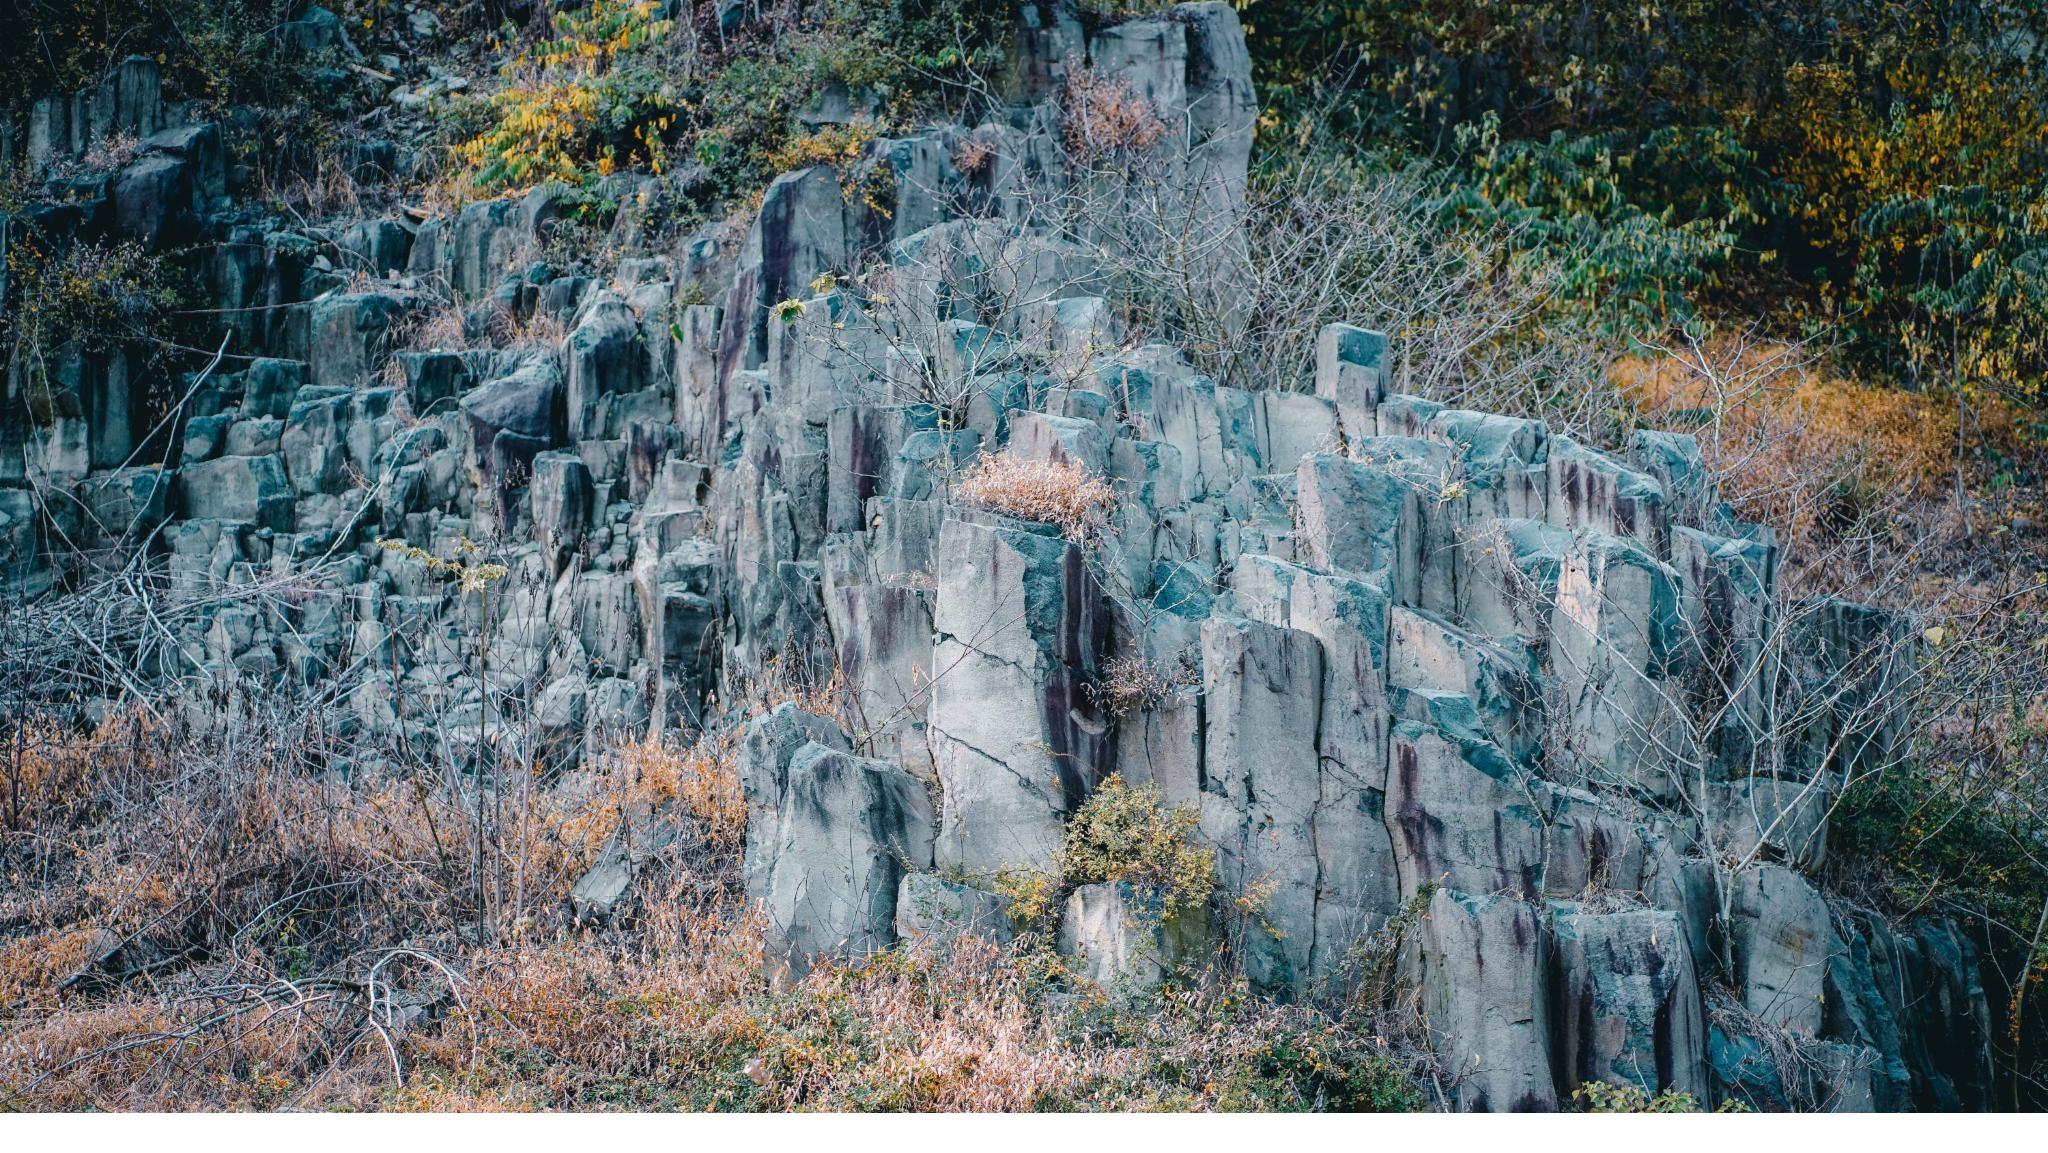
(696, 775)
(1053, 492)
(1793, 445)
(1102, 116)
(972, 155)
(446, 327)
(1130, 683)
(110, 152)
(1242, 282)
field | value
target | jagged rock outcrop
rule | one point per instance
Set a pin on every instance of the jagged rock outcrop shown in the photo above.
(1536, 705)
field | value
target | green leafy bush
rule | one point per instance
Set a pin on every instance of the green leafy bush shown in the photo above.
(1129, 834)
(620, 86)
(1316, 1067)
(1871, 167)
(585, 103)
(91, 297)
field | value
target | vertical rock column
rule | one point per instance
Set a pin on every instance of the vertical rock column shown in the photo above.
(1263, 785)
(1021, 624)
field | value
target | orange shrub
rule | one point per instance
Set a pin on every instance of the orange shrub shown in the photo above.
(1787, 441)
(1102, 116)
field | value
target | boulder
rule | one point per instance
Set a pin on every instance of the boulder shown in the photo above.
(1362, 521)
(931, 907)
(767, 746)
(1351, 373)
(1627, 1003)
(1781, 936)
(1021, 627)
(1262, 690)
(849, 831)
(1125, 939)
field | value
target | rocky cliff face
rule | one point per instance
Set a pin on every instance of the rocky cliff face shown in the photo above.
(1537, 705)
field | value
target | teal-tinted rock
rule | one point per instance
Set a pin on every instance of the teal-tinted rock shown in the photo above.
(1673, 460)
(1628, 1009)
(1361, 520)
(1404, 415)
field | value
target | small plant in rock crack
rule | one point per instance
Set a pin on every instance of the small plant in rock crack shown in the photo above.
(1132, 684)
(1103, 116)
(1052, 492)
(474, 576)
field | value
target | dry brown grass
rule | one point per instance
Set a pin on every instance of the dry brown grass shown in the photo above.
(294, 937)
(213, 906)
(1051, 492)
(1786, 437)
(695, 774)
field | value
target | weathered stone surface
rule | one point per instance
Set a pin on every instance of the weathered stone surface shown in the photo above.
(849, 830)
(1428, 654)
(1628, 1001)
(126, 503)
(1357, 887)
(1351, 372)
(930, 906)
(1126, 940)
(561, 502)
(1781, 936)
(1485, 987)
(1614, 632)
(1461, 815)
(1362, 521)
(1021, 627)
(1262, 688)
(1789, 818)
(1728, 588)
(1592, 491)
(250, 490)
(766, 749)
(348, 337)
(270, 386)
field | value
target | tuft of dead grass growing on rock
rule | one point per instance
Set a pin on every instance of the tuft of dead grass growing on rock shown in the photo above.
(1054, 492)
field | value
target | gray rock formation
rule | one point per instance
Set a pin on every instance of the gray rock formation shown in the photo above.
(1449, 662)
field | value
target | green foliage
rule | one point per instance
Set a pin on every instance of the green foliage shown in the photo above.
(1126, 834)
(590, 100)
(1574, 199)
(1878, 168)
(620, 86)
(1034, 896)
(83, 297)
(1946, 838)
(1316, 1067)
(1602, 1097)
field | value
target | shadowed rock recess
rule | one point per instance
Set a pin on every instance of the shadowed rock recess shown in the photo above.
(1440, 667)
